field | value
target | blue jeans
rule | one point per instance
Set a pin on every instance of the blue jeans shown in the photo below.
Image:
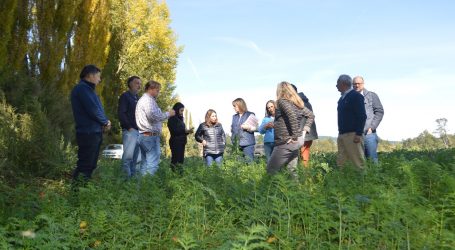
(371, 147)
(150, 154)
(130, 151)
(218, 158)
(268, 148)
(248, 151)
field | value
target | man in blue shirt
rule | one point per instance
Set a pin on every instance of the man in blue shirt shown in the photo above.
(90, 121)
(126, 114)
(351, 120)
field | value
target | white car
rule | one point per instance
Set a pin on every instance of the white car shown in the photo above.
(113, 151)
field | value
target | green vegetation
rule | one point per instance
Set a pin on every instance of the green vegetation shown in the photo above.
(43, 48)
(406, 202)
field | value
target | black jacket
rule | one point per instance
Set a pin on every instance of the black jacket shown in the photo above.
(214, 136)
(126, 110)
(176, 126)
(313, 134)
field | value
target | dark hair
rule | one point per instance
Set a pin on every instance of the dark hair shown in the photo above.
(131, 79)
(88, 70)
(294, 87)
(267, 113)
(152, 85)
(345, 79)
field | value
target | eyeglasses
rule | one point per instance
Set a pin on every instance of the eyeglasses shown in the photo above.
(269, 107)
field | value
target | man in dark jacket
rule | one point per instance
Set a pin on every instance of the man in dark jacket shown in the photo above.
(90, 121)
(351, 120)
(375, 112)
(126, 114)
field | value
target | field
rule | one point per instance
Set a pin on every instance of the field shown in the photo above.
(405, 202)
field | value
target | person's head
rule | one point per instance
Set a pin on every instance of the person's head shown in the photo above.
(270, 108)
(152, 88)
(91, 73)
(211, 118)
(239, 106)
(179, 108)
(294, 87)
(134, 84)
(344, 83)
(358, 83)
(285, 90)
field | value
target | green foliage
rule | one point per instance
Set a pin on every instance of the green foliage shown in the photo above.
(425, 141)
(405, 202)
(44, 46)
(29, 145)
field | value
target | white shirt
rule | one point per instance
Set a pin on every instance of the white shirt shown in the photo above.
(149, 117)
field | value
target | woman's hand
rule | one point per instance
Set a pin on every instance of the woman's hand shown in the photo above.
(269, 125)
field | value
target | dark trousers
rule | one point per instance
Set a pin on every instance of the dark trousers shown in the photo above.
(177, 151)
(87, 154)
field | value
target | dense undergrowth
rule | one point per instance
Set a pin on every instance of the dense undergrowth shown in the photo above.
(405, 202)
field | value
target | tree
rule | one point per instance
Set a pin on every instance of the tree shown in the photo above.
(425, 141)
(441, 130)
(45, 43)
(142, 44)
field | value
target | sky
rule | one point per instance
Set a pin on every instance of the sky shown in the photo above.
(405, 50)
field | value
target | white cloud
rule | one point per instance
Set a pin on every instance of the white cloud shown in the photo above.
(246, 44)
(194, 70)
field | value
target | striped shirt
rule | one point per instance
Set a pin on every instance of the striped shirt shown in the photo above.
(149, 117)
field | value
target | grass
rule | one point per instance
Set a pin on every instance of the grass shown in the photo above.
(405, 202)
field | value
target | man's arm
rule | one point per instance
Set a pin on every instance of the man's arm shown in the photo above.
(378, 111)
(309, 119)
(155, 114)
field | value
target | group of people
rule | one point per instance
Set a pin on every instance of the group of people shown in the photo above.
(288, 127)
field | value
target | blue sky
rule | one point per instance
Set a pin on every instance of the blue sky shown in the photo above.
(405, 50)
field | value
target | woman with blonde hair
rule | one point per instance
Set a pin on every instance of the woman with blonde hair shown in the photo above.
(244, 123)
(211, 134)
(289, 137)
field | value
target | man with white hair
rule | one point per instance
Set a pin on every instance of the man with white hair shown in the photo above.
(351, 120)
(375, 112)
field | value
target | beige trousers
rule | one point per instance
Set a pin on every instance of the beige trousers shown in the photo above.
(348, 151)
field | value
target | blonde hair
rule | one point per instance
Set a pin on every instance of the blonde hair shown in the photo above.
(241, 104)
(152, 85)
(285, 90)
(207, 117)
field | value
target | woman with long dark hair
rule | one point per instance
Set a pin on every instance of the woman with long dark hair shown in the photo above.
(266, 128)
